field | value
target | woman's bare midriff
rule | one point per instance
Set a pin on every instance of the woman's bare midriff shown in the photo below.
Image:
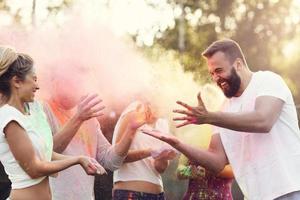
(40, 191)
(138, 186)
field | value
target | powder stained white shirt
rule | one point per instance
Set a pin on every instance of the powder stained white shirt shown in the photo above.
(265, 165)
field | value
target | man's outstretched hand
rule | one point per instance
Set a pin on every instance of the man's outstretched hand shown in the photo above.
(172, 140)
(193, 115)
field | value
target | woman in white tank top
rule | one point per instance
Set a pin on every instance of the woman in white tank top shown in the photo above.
(26, 146)
(139, 177)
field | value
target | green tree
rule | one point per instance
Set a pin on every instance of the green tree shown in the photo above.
(262, 27)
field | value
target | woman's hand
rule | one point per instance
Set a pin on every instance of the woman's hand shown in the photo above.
(136, 118)
(91, 166)
(89, 107)
(163, 153)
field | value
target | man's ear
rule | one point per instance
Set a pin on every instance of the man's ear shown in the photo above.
(238, 64)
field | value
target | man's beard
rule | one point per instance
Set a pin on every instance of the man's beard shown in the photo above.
(234, 83)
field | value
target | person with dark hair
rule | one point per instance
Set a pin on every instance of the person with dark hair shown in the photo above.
(25, 145)
(256, 132)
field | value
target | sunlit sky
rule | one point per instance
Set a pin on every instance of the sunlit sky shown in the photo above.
(123, 16)
(127, 16)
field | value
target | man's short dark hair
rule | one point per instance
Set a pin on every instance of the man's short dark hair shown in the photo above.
(229, 47)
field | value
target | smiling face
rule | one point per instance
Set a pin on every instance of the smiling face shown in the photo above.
(227, 66)
(18, 81)
(27, 87)
(224, 73)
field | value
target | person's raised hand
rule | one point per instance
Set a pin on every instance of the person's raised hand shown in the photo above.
(170, 139)
(193, 115)
(89, 107)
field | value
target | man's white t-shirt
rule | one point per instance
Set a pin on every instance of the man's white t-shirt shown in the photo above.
(265, 165)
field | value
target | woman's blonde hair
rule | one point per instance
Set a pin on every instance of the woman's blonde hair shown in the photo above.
(7, 56)
(12, 64)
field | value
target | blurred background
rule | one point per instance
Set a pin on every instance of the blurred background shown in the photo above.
(163, 38)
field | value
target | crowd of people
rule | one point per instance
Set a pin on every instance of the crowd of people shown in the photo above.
(52, 148)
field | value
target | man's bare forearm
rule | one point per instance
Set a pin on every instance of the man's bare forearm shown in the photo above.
(248, 122)
(206, 158)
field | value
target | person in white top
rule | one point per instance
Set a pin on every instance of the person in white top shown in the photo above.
(139, 176)
(25, 145)
(74, 134)
(257, 131)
